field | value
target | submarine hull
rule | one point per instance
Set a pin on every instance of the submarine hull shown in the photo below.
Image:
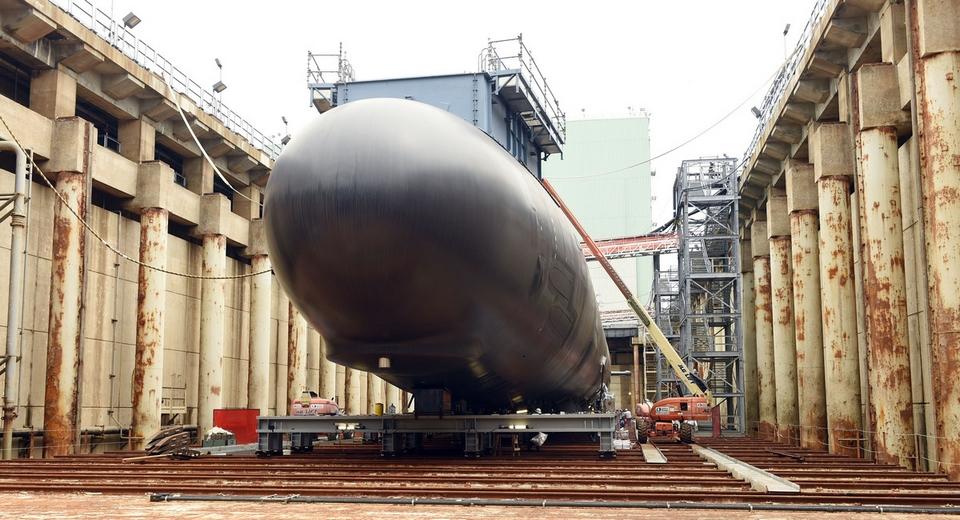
(425, 253)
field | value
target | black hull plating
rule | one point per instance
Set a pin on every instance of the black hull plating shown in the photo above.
(400, 231)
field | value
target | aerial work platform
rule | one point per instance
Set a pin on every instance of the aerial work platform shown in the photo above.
(400, 432)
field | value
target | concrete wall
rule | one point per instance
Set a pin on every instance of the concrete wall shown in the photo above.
(111, 370)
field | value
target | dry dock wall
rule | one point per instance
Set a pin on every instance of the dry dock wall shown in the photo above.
(869, 103)
(107, 344)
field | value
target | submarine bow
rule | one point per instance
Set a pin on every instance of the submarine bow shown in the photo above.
(425, 253)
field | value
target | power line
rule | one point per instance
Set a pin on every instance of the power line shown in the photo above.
(690, 140)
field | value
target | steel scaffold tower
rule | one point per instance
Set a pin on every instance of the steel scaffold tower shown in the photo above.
(708, 261)
(700, 301)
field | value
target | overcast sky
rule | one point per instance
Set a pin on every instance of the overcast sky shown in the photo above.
(687, 62)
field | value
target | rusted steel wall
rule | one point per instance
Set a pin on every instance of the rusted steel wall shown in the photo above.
(296, 355)
(808, 329)
(784, 338)
(937, 43)
(210, 384)
(885, 298)
(258, 371)
(63, 347)
(839, 316)
(151, 302)
(766, 375)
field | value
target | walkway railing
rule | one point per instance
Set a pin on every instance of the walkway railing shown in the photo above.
(116, 34)
(772, 99)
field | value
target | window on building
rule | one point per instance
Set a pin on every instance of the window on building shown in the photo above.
(221, 187)
(173, 160)
(14, 81)
(107, 127)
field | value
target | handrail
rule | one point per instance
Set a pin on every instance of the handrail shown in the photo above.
(523, 63)
(116, 34)
(773, 96)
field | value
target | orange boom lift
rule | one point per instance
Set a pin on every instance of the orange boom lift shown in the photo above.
(671, 417)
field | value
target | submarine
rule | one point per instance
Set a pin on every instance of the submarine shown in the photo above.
(426, 254)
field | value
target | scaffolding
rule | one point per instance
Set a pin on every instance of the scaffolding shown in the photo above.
(708, 262)
(697, 302)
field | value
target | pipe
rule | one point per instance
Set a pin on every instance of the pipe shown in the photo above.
(632, 504)
(18, 220)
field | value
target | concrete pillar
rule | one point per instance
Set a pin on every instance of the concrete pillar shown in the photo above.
(328, 373)
(750, 389)
(314, 360)
(763, 312)
(341, 386)
(258, 376)
(296, 354)
(811, 394)
(210, 386)
(864, 437)
(394, 398)
(784, 331)
(74, 138)
(248, 205)
(362, 405)
(353, 391)
(888, 348)
(151, 302)
(374, 391)
(137, 140)
(937, 66)
(60, 413)
(53, 94)
(199, 175)
(831, 150)
(282, 335)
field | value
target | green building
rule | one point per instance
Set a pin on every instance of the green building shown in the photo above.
(601, 179)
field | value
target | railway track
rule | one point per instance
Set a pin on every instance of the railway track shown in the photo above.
(569, 472)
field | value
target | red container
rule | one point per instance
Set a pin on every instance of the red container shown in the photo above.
(242, 422)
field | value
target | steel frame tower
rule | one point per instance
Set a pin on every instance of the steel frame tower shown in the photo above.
(701, 301)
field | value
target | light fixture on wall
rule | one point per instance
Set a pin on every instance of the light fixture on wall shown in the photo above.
(131, 20)
(219, 86)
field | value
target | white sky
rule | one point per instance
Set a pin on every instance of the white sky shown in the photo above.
(687, 62)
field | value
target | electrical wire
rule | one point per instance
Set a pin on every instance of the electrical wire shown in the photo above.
(692, 139)
(186, 122)
(99, 238)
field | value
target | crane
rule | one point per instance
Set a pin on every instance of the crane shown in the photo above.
(670, 417)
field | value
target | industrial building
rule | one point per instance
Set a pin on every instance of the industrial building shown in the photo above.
(805, 292)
